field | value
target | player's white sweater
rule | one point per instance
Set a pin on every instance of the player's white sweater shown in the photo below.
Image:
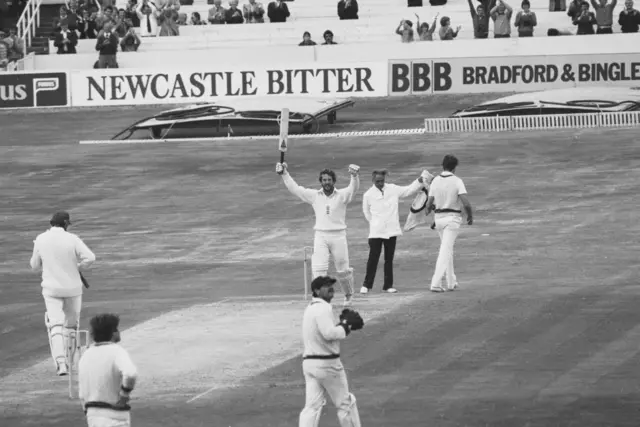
(60, 255)
(331, 211)
(320, 335)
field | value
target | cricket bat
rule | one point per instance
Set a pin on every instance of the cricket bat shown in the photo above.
(283, 140)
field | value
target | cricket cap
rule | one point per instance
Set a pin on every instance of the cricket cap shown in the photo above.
(59, 218)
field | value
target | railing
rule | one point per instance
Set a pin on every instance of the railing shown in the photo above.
(27, 63)
(29, 22)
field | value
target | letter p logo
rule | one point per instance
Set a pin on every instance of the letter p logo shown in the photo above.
(50, 90)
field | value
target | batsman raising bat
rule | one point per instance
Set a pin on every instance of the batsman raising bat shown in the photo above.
(330, 207)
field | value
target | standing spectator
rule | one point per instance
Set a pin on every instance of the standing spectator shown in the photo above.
(585, 21)
(380, 208)
(328, 38)
(629, 18)
(87, 28)
(105, 16)
(604, 15)
(575, 9)
(15, 45)
(253, 12)
(148, 15)
(526, 20)
(217, 13)
(480, 20)
(130, 42)
(233, 15)
(425, 33)
(501, 15)
(196, 20)
(73, 8)
(446, 32)
(131, 14)
(122, 25)
(348, 9)
(168, 23)
(557, 5)
(107, 45)
(278, 11)
(66, 40)
(405, 31)
(306, 40)
(62, 18)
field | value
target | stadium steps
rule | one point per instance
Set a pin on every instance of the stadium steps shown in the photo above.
(40, 43)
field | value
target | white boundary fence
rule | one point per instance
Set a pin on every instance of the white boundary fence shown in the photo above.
(539, 122)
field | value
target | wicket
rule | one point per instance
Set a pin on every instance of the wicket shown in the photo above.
(308, 251)
(76, 345)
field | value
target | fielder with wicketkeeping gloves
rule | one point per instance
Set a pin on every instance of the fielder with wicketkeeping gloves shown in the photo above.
(321, 365)
(330, 207)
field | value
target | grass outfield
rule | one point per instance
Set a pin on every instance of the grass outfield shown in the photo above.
(544, 330)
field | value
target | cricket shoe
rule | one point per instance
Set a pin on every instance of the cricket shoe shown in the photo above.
(391, 290)
(364, 290)
(347, 302)
(437, 289)
(62, 369)
(453, 288)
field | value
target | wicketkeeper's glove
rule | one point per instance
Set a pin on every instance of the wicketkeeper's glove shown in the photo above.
(352, 318)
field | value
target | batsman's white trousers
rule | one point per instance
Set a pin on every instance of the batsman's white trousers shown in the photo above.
(63, 314)
(99, 417)
(327, 376)
(448, 227)
(326, 244)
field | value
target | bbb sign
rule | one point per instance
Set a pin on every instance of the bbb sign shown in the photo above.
(31, 90)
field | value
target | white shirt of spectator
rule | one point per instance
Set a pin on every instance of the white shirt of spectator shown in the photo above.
(320, 335)
(331, 211)
(380, 208)
(153, 20)
(64, 37)
(445, 189)
(60, 254)
(102, 370)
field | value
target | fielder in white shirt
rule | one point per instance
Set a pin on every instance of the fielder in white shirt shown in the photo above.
(321, 365)
(447, 197)
(60, 256)
(106, 376)
(380, 208)
(330, 207)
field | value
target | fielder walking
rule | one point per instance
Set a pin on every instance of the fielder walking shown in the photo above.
(380, 208)
(60, 256)
(446, 195)
(106, 376)
(330, 207)
(321, 365)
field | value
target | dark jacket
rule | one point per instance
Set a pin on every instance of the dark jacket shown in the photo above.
(71, 45)
(585, 23)
(348, 12)
(629, 22)
(278, 14)
(109, 49)
(233, 16)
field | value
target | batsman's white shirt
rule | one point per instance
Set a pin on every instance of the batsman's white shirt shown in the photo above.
(60, 255)
(331, 211)
(320, 335)
(445, 189)
(380, 208)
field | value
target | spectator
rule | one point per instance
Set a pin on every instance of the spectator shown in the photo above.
(557, 5)
(105, 16)
(233, 15)
(15, 45)
(629, 18)
(278, 11)
(196, 20)
(480, 21)
(182, 19)
(306, 40)
(130, 42)
(73, 8)
(585, 21)
(217, 13)
(131, 14)
(551, 32)
(121, 25)
(168, 23)
(107, 45)
(254, 12)
(405, 31)
(424, 32)
(446, 32)
(575, 9)
(526, 20)
(328, 37)
(348, 9)
(4, 52)
(148, 15)
(87, 26)
(604, 15)
(169, 4)
(66, 40)
(62, 19)
(501, 15)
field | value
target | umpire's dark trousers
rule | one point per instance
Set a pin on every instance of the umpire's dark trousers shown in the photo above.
(375, 247)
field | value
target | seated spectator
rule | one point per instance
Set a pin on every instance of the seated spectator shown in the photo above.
(446, 32)
(348, 9)
(526, 20)
(131, 14)
(233, 15)
(148, 15)
(107, 46)
(424, 32)
(168, 23)
(557, 5)
(604, 15)
(629, 18)
(405, 31)
(585, 21)
(15, 45)
(253, 12)
(278, 11)
(501, 15)
(217, 13)
(66, 40)
(196, 20)
(130, 42)
(182, 19)
(575, 9)
(328, 37)
(480, 20)
(87, 27)
(306, 40)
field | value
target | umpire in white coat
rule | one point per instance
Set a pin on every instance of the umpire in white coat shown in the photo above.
(322, 368)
